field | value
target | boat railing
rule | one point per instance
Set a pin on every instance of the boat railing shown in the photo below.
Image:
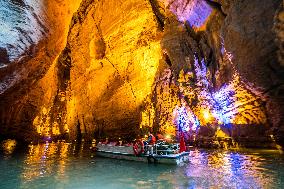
(161, 149)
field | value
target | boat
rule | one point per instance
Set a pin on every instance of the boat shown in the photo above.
(158, 153)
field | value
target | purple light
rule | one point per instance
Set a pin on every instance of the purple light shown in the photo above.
(195, 12)
(185, 119)
(220, 103)
(224, 103)
(201, 70)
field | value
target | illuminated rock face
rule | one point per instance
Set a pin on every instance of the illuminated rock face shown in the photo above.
(120, 68)
(206, 89)
(114, 62)
(28, 85)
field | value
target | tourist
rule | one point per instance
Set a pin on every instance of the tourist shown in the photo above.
(106, 141)
(159, 136)
(120, 142)
(151, 139)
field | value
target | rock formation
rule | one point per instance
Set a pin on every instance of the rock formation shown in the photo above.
(118, 68)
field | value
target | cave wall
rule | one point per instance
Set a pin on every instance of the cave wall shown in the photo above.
(227, 70)
(28, 84)
(251, 34)
(119, 68)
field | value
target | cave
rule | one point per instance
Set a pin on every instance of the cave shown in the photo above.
(218, 63)
(87, 70)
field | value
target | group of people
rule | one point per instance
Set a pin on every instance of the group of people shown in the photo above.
(152, 139)
(141, 146)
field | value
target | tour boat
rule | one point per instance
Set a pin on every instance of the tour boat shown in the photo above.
(132, 153)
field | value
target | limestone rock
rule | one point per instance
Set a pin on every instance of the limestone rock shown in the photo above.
(4, 57)
(118, 68)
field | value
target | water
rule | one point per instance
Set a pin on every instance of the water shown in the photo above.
(63, 165)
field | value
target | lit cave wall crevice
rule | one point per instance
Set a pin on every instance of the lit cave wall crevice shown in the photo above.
(212, 69)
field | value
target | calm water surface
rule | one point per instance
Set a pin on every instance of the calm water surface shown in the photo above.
(64, 165)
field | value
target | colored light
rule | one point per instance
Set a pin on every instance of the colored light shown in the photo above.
(195, 12)
(185, 119)
(206, 115)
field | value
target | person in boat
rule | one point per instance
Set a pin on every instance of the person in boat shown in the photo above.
(151, 139)
(150, 143)
(159, 136)
(120, 142)
(106, 141)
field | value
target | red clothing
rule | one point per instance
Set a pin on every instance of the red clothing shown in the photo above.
(159, 136)
(151, 140)
(182, 146)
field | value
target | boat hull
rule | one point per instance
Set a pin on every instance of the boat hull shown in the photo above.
(175, 159)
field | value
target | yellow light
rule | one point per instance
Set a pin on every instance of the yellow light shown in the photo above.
(168, 136)
(206, 115)
(9, 146)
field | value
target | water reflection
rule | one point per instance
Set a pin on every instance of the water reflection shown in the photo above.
(231, 169)
(44, 160)
(8, 147)
(65, 165)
